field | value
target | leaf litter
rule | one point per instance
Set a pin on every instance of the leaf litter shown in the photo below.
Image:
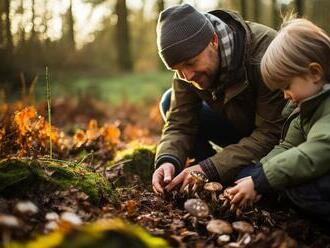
(30, 208)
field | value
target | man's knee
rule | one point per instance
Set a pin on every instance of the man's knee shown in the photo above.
(165, 102)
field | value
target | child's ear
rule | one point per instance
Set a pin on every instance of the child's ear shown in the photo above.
(316, 71)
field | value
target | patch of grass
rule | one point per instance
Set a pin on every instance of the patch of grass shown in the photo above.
(134, 88)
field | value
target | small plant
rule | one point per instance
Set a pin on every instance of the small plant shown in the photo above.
(48, 93)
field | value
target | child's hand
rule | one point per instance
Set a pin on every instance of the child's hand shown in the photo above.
(243, 194)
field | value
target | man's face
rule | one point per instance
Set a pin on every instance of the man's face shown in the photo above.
(201, 70)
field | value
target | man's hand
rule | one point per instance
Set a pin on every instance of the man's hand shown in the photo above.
(162, 176)
(244, 193)
(184, 178)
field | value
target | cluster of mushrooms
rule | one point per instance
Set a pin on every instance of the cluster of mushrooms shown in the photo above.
(235, 234)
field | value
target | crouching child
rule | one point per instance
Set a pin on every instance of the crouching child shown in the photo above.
(298, 62)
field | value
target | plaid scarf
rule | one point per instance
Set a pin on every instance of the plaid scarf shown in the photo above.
(226, 45)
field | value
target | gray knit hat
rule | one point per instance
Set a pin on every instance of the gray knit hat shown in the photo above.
(182, 33)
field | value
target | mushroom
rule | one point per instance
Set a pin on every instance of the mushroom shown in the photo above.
(52, 216)
(199, 180)
(7, 223)
(71, 218)
(197, 208)
(26, 208)
(223, 239)
(242, 227)
(219, 227)
(213, 187)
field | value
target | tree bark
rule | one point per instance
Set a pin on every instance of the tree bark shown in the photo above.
(1, 23)
(21, 25)
(243, 8)
(275, 15)
(123, 39)
(299, 7)
(33, 31)
(8, 26)
(256, 10)
(71, 34)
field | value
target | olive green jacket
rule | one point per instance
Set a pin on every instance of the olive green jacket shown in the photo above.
(246, 102)
(304, 154)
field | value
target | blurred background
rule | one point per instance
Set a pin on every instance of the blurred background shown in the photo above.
(105, 48)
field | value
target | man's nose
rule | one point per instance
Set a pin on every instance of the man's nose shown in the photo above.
(187, 74)
(286, 95)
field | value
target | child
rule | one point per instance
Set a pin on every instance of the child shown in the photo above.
(298, 62)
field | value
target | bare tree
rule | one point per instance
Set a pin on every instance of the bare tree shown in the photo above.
(160, 5)
(1, 23)
(71, 36)
(20, 11)
(33, 31)
(243, 8)
(275, 14)
(122, 35)
(256, 10)
(299, 7)
(8, 26)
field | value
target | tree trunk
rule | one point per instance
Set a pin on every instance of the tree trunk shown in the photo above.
(71, 28)
(21, 28)
(300, 7)
(8, 24)
(33, 31)
(1, 23)
(256, 10)
(160, 5)
(123, 39)
(275, 14)
(160, 8)
(243, 8)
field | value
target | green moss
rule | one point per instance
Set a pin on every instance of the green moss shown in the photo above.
(138, 161)
(104, 233)
(14, 173)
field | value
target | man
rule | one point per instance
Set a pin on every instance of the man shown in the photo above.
(217, 94)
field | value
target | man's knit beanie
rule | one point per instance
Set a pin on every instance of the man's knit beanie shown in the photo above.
(182, 33)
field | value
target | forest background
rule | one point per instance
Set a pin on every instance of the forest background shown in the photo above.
(105, 48)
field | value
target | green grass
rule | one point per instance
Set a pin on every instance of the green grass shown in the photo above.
(134, 88)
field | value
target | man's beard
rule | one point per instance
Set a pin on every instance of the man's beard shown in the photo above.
(204, 81)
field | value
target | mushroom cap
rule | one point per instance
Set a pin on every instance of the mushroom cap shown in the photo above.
(26, 207)
(223, 239)
(199, 176)
(213, 186)
(9, 221)
(71, 218)
(219, 227)
(197, 207)
(243, 227)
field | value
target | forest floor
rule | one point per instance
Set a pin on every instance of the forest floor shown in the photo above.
(100, 168)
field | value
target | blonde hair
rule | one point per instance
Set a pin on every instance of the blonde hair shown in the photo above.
(298, 43)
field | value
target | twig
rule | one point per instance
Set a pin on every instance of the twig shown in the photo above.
(49, 115)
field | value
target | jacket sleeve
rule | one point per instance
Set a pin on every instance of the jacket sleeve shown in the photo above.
(264, 137)
(293, 138)
(181, 125)
(304, 162)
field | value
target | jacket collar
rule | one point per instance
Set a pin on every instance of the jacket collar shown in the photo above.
(309, 104)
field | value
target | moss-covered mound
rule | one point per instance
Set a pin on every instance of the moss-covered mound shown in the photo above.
(20, 175)
(101, 234)
(138, 161)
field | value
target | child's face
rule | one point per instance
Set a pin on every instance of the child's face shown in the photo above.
(300, 88)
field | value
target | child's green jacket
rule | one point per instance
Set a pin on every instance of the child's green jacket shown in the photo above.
(304, 154)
